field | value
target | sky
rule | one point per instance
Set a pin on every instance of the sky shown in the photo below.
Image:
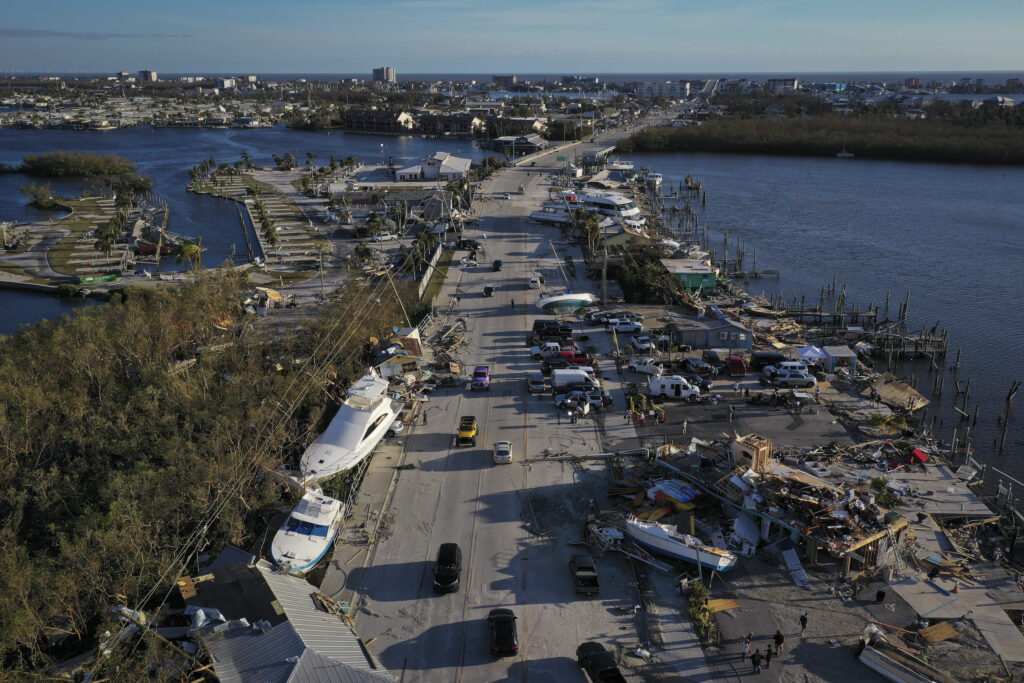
(525, 36)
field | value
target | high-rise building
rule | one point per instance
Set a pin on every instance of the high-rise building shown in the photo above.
(912, 83)
(384, 74)
(504, 81)
(147, 76)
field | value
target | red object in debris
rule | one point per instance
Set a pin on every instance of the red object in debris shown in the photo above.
(917, 455)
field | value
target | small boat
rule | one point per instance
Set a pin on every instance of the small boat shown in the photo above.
(569, 302)
(553, 215)
(308, 532)
(844, 154)
(665, 539)
(146, 248)
(654, 180)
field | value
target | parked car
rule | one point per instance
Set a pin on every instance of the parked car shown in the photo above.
(642, 343)
(507, 195)
(470, 244)
(535, 383)
(503, 453)
(395, 428)
(594, 317)
(481, 378)
(736, 366)
(599, 663)
(384, 237)
(714, 359)
(648, 366)
(698, 367)
(761, 359)
(554, 364)
(793, 379)
(504, 638)
(584, 574)
(627, 326)
(702, 383)
(534, 283)
(447, 568)
(488, 290)
(797, 365)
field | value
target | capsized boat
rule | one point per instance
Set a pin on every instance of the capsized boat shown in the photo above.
(568, 302)
(665, 539)
(361, 422)
(308, 532)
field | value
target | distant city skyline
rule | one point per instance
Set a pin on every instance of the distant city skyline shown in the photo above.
(461, 36)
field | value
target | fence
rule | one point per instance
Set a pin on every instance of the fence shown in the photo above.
(430, 272)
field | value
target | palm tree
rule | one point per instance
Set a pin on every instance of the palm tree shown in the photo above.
(246, 159)
(191, 253)
(323, 247)
(363, 251)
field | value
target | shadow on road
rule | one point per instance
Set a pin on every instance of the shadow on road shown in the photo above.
(398, 582)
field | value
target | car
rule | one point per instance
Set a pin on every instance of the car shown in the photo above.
(554, 364)
(470, 244)
(599, 663)
(496, 265)
(702, 383)
(503, 453)
(699, 367)
(447, 568)
(534, 283)
(627, 326)
(648, 366)
(714, 359)
(793, 379)
(481, 378)
(395, 427)
(533, 163)
(594, 317)
(504, 638)
(535, 383)
(771, 370)
(488, 289)
(384, 237)
(641, 343)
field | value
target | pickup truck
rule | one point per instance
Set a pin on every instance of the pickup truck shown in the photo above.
(481, 378)
(598, 663)
(466, 435)
(548, 349)
(584, 574)
(648, 366)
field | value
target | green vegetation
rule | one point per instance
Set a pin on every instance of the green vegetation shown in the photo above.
(700, 616)
(437, 279)
(867, 136)
(122, 464)
(40, 196)
(643, 279)
(884, 495)
(76, 165)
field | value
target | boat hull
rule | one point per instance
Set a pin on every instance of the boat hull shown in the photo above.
(304, 538)
(566, 303)
(659, 543)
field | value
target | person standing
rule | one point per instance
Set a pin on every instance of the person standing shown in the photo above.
(768, 657)
(746, 648)
(755, 659)
(730, 411)
(780, 641)
(803, 623)
(736, 388)
(684, 426)
(424, 417)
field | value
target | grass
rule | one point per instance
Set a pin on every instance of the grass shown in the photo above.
(440, 273)
(80, 225)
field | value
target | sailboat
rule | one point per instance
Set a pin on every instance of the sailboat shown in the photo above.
(844, 154)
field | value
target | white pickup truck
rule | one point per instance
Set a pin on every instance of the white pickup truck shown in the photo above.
(548, 349)
(648, 366)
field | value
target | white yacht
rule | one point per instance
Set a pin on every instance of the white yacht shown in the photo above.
(361, 422)
(619, 165)
(308, 532)
(665, 539)
(654, 180)
(553, 214)
(611, 204)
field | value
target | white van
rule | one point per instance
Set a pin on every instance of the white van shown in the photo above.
(569, 378)
(534, 283)
(785, 366)
(672, 387)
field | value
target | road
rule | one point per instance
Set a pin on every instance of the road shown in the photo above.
(458, 495)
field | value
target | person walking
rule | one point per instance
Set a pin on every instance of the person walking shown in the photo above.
(780, 641)
(755, 659)
(736, 388)
(746, 392)
(730, 411)
(424, 417)
(803, 623)
(817, 393)
(768, 657)
(746, 648)
(684, 426)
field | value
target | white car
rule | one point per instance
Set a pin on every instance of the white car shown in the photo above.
(534, 283)
(648, 366)
(642, 343)
(503, 453)
(628, 326)
(793, 378)
(384, 237)
(507, 195)
(395, 428)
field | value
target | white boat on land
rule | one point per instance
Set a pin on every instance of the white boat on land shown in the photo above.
(362, 421)
(568, 302)
(619, 165)
(551, 214)
(654, 180)
(665, 539)
(308, 532)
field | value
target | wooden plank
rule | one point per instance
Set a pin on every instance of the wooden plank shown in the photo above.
(722, 604)
(939, 632)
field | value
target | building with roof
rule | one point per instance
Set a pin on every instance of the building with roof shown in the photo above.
(708, 332)
(440, 166)
(694, 274)
(384, 74)
(272, 627)
(673, 89)
(505, 81)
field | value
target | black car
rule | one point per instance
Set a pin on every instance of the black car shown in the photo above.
(472, 245)
(594, 317)
(504, 639)
(703, 384)
(699, 367)
(447, 568)
(554, 364)
(598, 663)
(711, 357)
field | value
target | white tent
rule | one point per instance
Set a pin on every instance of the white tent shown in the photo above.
(811, 353)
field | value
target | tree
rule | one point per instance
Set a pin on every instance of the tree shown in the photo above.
(323, 248)
(373, 223)
(363, 251)
(191, 253)
(247, 159)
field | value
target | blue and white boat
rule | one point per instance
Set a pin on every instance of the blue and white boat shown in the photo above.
(666, 540)
(308, 532)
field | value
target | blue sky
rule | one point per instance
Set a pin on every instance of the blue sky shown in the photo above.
(526, 36)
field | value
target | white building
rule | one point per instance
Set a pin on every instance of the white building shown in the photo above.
(440, 166)
(147, 76)
(673, 89)
(781, 86)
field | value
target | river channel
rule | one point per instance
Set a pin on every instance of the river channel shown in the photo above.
(951, 235)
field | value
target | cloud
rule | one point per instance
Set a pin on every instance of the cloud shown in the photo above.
(81, 35)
